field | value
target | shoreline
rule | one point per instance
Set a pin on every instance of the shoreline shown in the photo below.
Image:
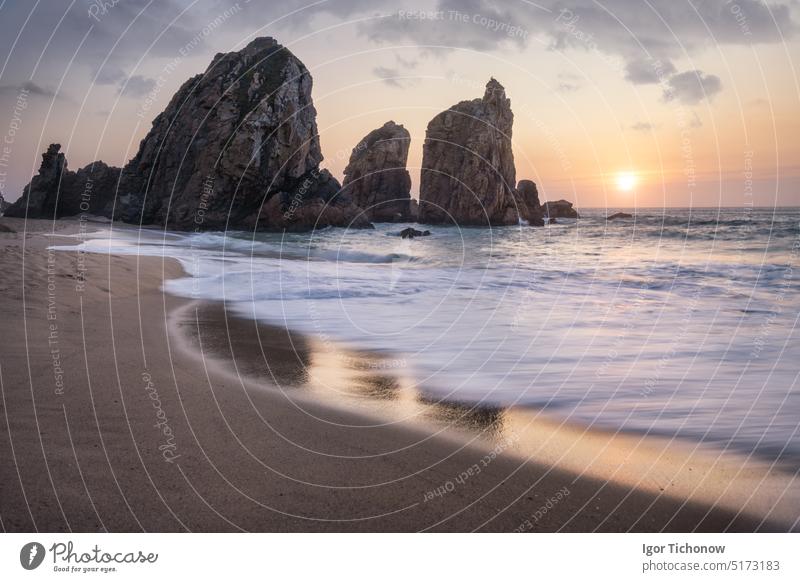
(658, 465)
(253, 457)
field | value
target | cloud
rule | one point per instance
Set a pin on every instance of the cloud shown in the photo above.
(758, 103)
(664, 29)
(392, 77)
(406, 63)
(645, 37)
(475, 24)
(568, 82)
(645, 71)
(565, 87)
(29, 87)
(109, 75)
(633, 30)
(643, 127)
(136, 86)
(691, 87)
(633, 33)
(35, 89)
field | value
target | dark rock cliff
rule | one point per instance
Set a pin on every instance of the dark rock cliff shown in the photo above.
(468, 174)
(57, 191)
(528, 203)
(376, 177)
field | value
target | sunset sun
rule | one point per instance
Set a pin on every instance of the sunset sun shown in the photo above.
(626, 181)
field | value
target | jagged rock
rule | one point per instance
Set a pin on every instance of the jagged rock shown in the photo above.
(376, 178)
(57, 191)
(93, 190)
(240, 136)
(528, 193)
(528, 204)
(468, 174)
(296, 211)
(41, 195)
(413, 233)
(3, 204)
(617, 215)
(559, 209)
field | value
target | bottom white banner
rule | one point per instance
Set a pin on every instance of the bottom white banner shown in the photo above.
(399, 556)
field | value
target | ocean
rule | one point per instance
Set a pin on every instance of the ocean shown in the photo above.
(679, 322)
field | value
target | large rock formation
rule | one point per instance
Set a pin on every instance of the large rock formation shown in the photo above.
(232, 140)
(3, 204)
(528, 204)
(40, 197)
(560, 209)
(376, 178)
(468, 174)
(57, 191)
(237, 147)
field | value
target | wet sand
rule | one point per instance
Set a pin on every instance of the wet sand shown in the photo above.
(127, 409)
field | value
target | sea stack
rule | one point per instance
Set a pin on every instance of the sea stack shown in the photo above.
(376, 178)
(528, 204)
(57, 191)
(40, 197)
(468, 175)
(239, 136)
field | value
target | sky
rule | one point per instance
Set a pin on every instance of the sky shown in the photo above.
(617, 103)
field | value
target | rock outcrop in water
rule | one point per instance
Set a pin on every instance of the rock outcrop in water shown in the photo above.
(413, 233)
(559, 209)
(468, 174)
(619, 215)
(57, 191)
(376, 178)
(528, 204)
(237, 147)
(3, 204)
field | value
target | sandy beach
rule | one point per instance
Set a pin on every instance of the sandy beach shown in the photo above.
(127, 409)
